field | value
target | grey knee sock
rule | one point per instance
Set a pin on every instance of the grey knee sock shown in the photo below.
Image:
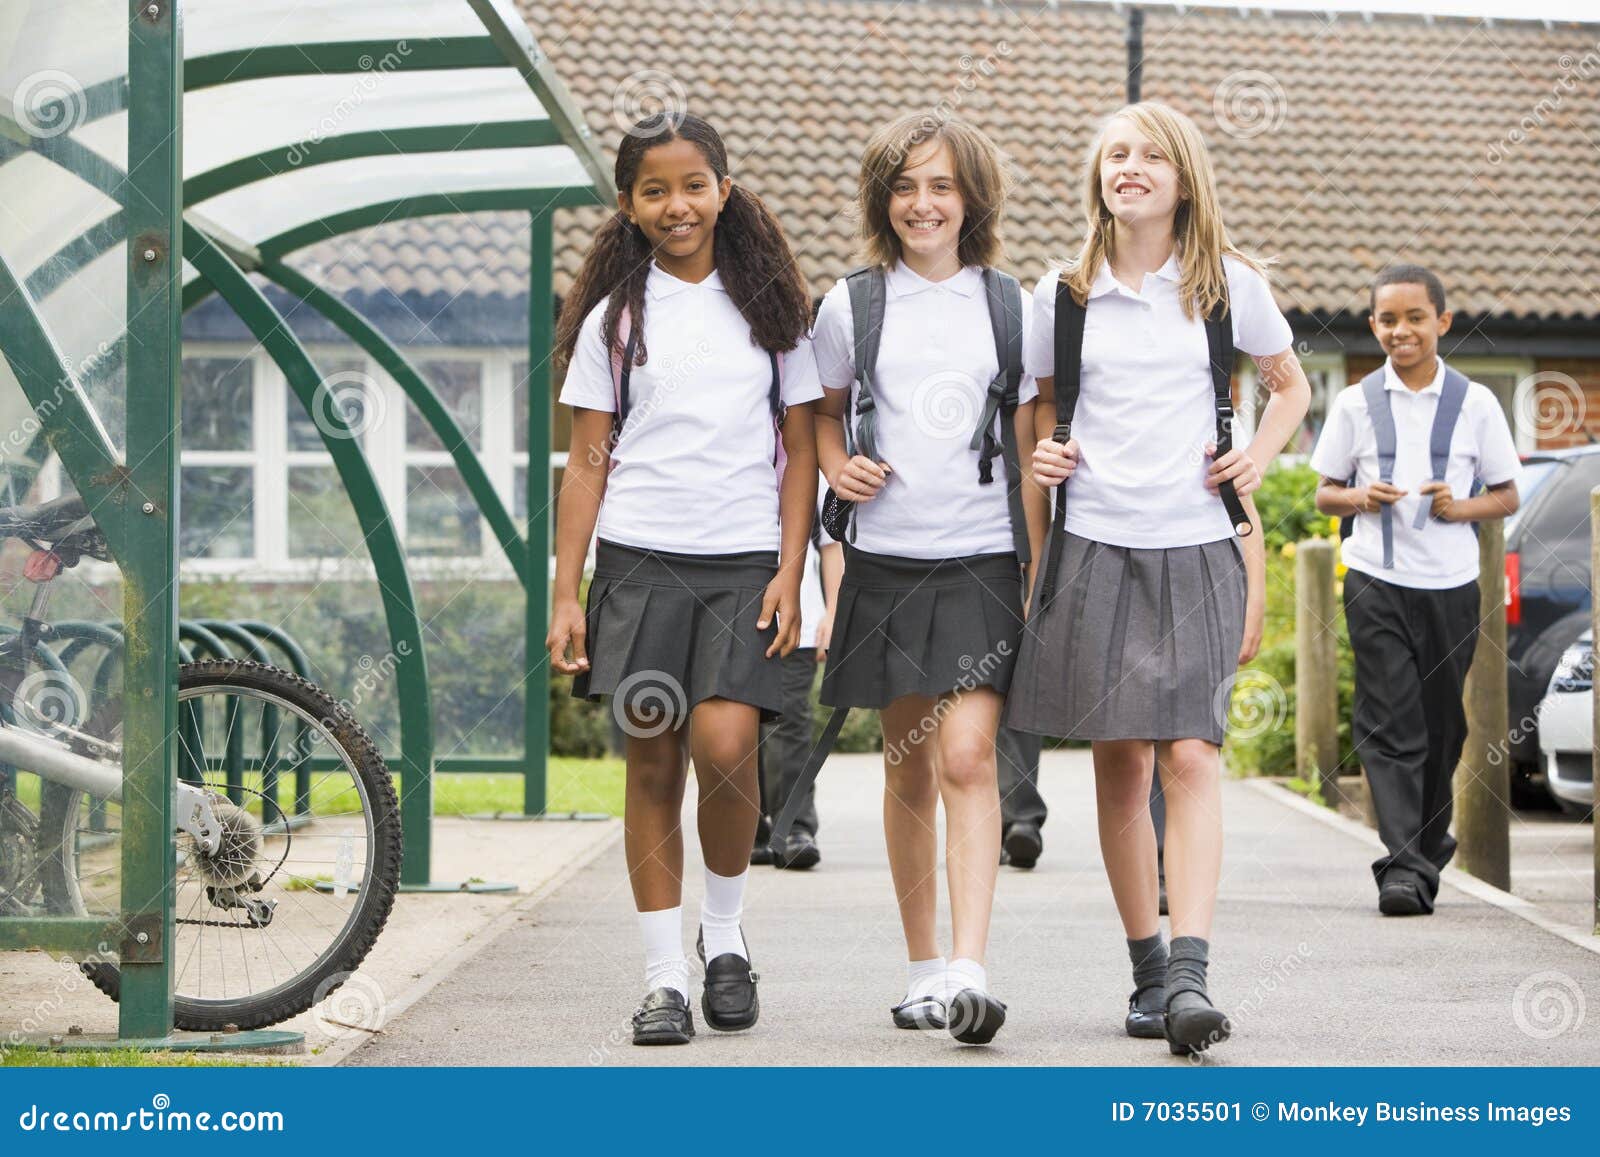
(1149, 958)
(1186, 973)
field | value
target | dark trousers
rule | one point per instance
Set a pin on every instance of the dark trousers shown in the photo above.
(1412, 650)
(786, 741)
(1017, 760)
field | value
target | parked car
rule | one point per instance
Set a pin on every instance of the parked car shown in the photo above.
(1566, 729)
(1547, 596)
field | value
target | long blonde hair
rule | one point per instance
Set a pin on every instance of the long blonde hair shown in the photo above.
(1200, 236)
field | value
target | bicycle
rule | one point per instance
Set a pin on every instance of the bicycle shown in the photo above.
(274, 910)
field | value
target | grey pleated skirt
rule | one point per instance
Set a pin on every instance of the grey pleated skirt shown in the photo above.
(910, 626)
(1135, 644)
(667, 631)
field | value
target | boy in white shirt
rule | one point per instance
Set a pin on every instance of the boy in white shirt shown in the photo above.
(1411, 595)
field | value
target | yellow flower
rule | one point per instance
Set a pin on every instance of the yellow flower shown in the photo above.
(1288, 550)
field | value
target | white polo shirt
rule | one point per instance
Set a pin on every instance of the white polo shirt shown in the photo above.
(693, 469)
(1442, 554)
(1145, 404)
(936, 358)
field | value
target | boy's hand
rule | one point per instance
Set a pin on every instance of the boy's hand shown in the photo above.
(1054, 462)
(1443, 501)
(861, 479)
(1371, 499)
(1236, 466)
(824, 636)
(567, 626)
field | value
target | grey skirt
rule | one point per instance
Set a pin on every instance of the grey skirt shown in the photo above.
(667, 631)
(1135, 644)
(911, 626)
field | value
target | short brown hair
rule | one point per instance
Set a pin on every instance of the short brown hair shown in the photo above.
(980, 175)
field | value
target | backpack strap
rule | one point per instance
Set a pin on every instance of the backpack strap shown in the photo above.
(869, 296)
(807, 776)
(1382, 418)
(1070, 317)
(622, 371)
(1451, 397)
(1219, 339)
(1005, 319)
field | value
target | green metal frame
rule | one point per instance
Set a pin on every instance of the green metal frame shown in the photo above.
(536, 582)
(377, 528)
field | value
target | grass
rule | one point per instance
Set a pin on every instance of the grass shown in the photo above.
(581, 785)
(25, 1057)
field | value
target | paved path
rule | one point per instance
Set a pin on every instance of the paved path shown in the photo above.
(1309, 971)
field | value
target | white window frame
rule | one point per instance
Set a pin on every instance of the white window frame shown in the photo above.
(1522, 368)
(387, 452)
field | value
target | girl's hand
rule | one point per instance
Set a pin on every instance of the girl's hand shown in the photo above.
(1054, 462)
(824, 636)
(1236, 466)
(861, 479)
(783, 598)
(1443, 500)
(567, 626)
(1255, 622)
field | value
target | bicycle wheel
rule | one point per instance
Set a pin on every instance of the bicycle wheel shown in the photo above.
(304, 878)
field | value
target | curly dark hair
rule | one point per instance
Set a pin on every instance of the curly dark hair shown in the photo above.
(748, 246)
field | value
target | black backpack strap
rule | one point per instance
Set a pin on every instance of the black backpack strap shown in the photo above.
(1219, 337)
(1004, 296)
(808, 776)
(1070, 317)
(629, 352)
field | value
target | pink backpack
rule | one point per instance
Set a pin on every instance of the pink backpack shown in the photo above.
(622, 372)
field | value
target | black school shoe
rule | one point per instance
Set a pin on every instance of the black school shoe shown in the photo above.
(919, 1012)
(729, 1001)
(760, 853)
(663, 1019)
(1145, 1023)
(974, 1016)
(1402, 898)
(800, 852)
(1023, 843)
(1194, 1030)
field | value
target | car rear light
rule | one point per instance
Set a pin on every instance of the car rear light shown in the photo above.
(1513, 589)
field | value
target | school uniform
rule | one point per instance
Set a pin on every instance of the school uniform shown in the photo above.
(688, 533)
(1414, 624)
(1148, 609)
(787, 741)
(931, 598)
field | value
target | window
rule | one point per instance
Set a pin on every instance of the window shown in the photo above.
(261, 492)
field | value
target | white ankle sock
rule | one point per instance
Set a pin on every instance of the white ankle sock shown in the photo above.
(965, 973)
(720, 912)
(925, 978)
(664, 962)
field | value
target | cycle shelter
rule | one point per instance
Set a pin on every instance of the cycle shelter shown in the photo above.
(154, 154)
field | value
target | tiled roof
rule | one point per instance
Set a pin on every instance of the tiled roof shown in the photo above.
(1342, 143)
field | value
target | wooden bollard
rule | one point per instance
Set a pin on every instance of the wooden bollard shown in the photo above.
(1594, 622)
(1483, 778)
(1316, 669)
